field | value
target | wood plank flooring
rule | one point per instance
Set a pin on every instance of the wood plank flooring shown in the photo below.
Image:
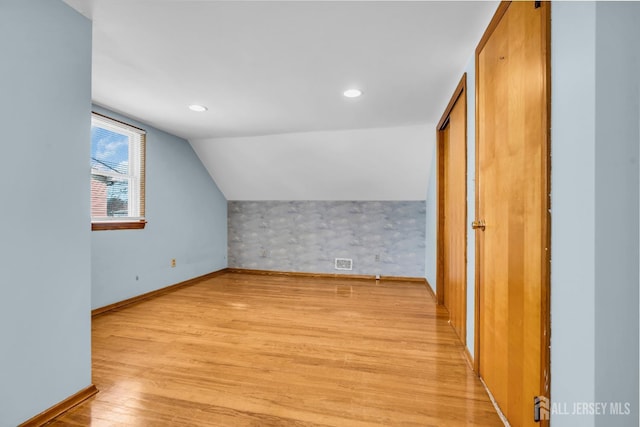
(256, 350)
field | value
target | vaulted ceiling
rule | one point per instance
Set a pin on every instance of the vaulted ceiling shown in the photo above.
(270, 68)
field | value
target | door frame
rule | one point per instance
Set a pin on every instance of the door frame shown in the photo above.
(459, 94)
(545, 317)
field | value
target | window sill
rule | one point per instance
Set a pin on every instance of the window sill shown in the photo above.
(118, 225)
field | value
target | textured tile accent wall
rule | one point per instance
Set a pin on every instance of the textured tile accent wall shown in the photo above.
(386, 238)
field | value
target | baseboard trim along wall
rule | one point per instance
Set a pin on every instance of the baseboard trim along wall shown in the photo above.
(157, 292)
(430, 289)
(469, 358)
(327, 275)
(60, 408)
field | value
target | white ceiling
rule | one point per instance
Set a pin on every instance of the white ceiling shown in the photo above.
(278, 67)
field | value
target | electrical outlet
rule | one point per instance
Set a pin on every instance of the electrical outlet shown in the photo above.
(173, 263)
(377, 257)
(264, 253)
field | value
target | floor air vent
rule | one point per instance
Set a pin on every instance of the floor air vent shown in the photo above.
(344, 264)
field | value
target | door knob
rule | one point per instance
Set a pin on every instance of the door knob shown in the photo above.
(478, 224)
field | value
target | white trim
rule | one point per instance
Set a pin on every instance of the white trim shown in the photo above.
(133, 176)
(116, 125)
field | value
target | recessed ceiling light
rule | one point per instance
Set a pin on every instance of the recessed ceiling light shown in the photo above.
(352, 93)
(198, 108)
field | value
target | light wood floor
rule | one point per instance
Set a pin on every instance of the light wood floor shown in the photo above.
(251, 350)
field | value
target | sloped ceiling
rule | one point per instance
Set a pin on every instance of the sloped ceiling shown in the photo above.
(272, 68)
(363, 164)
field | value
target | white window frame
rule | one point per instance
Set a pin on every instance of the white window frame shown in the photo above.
(135, 176)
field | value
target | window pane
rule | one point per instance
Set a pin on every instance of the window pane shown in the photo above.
(117, 171)
(109, 151)
(109, 196)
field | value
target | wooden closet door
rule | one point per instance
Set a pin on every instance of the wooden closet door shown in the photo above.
(452, 241)
(512, 200)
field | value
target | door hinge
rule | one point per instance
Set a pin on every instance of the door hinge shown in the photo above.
(540, 408)
(537, 4)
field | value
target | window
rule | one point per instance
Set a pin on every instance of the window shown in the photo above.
(117, 175)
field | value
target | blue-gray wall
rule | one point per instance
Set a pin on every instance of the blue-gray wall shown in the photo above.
(471, 203)
(616, 214)
(306, 236)
(573, 208)
(594, 274)
(45, 278)
(431, 223)
(187, 221)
